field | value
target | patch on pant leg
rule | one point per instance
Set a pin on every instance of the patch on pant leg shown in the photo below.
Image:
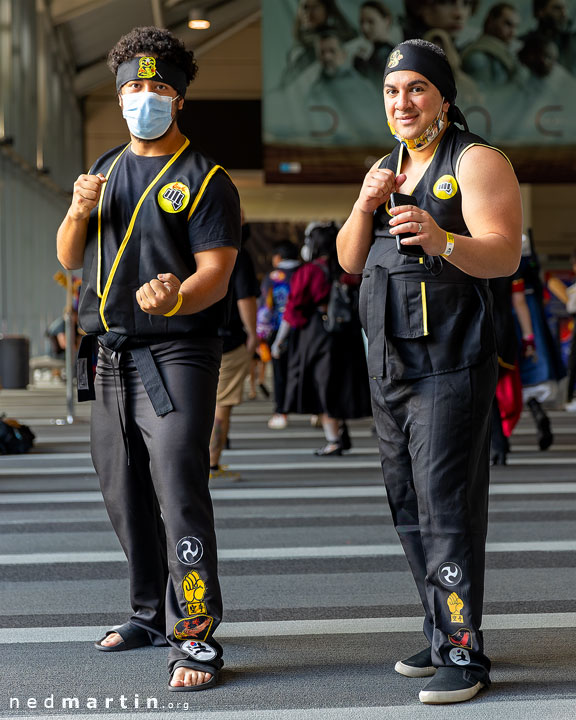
(189, 550)
(194, 589)
(460, 656)
(461, 638)
(197, 627)
(449, 574)
(455, 604)
(198, 650)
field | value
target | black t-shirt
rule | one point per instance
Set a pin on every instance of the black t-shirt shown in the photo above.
(191, 206)
(244, 284)
(213, 224)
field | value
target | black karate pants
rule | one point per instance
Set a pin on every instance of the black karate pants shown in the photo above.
(157, 496)
(434, 440)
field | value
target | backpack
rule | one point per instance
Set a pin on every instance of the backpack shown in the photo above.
(339, 312)
(14, 437)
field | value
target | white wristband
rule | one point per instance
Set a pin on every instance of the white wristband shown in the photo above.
(449, 245)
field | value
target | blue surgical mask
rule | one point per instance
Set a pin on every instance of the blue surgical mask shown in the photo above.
(148, 114)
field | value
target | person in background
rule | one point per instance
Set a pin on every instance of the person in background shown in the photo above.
(375, 21)
(273, 298)
(239, 344)
(490, 60)
(327, 373)
(451, 16)
(553, 23)
(507, 407)
(540, 373)
(567, 295)
(311, 17)
(341, 102)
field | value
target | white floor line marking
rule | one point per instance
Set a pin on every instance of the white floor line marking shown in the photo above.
(281, 628)
(286, 493)
(343, 464)
(284, 553)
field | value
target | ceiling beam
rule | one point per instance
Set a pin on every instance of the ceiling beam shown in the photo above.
(63, 11)
(157, 13)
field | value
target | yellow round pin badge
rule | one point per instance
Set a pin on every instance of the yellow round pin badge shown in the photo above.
(174, 197)
(445, 187)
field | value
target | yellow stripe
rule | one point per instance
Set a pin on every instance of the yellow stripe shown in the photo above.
(131, 228)
(98, 277)
(424, 307)
(505, 364)
(491, 147)
(203, 188)
(400, 156)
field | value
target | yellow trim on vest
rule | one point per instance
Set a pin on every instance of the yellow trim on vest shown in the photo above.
(203, 188)
(131, 228)
(424, 308)
(491, 147)
(401, 157)
(99, 272)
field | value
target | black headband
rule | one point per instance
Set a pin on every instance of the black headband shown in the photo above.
(434, 67)
(150, 68)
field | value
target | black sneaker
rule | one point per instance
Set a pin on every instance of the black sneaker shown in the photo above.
(419, 665)
(450, 685)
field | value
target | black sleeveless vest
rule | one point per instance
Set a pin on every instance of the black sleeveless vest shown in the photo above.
(422, 321)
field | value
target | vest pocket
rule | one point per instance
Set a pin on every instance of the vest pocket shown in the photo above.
(407, 312)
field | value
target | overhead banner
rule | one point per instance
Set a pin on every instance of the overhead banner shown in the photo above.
(323, 61)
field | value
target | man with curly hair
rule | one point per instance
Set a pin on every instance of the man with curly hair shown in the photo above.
(156, 227)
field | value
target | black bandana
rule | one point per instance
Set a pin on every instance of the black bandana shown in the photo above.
(434, 67)
(150, 68)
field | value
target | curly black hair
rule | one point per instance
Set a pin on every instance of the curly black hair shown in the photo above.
(154, 41)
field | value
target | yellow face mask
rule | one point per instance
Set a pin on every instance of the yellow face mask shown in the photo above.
(428, 136)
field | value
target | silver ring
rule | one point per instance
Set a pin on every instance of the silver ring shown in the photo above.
(419, 227)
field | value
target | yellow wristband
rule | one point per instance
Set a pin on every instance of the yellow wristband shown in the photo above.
(176, 307)
(449, 245)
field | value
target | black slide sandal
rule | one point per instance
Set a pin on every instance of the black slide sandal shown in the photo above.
(132, 637)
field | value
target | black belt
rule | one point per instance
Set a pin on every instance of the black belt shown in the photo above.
(143, 360)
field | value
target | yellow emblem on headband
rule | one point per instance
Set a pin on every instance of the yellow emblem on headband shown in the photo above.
(395, 59)
(147, 67)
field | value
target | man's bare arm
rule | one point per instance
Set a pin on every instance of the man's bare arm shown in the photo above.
(492, 210)
(201, 290)
(71, 237)
(355, 236)
(247, 308)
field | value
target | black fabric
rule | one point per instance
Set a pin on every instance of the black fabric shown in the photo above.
(423, 322)
(326, 372)
(149, 68)
(15, 438)
(506, 340)
(433, 436)
(161, 241)
(244, 284)
(162, 496)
